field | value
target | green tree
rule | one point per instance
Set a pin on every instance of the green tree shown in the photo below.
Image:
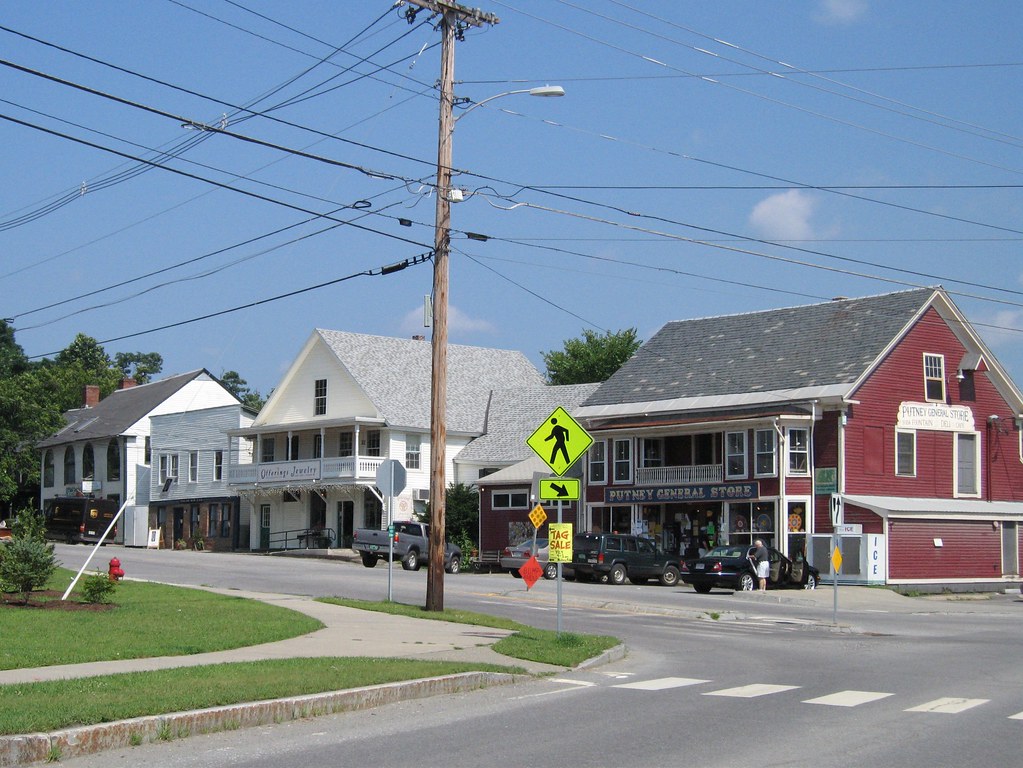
(140, 366)
(27, 561)
(461, 517)
(12, 356)
(592, 358)
(239, 387)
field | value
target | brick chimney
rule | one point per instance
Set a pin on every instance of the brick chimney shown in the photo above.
(127, 383)
(90, 396)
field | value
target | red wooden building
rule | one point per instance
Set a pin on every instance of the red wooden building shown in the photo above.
(731, 428)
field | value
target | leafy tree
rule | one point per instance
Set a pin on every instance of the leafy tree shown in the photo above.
(140, 366)
(26, 416)
(86, 352)
(461, 514)
(12, 356)
(238, 387)
(27, 561)
(592, 358)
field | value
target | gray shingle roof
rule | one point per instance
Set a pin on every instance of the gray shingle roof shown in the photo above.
(395, 374)
(513, 417)
(798, 347)
(116, 412)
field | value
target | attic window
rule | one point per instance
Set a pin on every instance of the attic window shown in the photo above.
(934, 378)
(320, 397)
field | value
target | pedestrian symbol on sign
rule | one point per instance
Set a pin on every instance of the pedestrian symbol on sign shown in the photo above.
(559, 441)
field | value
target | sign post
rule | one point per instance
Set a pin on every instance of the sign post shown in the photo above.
(560, 442)
(837, 516)
(391, 477)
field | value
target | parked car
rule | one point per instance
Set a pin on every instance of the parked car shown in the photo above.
(514, 557)
(615, 557)
(732, 567)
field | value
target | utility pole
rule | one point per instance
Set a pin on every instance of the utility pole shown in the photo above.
(453, 19)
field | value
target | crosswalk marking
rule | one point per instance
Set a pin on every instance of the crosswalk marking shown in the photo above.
(848, 698)
(948, 705)
(662, 683)
(752, 691)
(1017, 716)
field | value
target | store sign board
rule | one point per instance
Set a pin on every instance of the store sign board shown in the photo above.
(673, 493)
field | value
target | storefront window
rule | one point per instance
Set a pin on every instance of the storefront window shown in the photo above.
(796, 524)
(612, 520)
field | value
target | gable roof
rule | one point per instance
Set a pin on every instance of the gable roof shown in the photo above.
(116, 412)
(395, 375)
(807, 351)
(513, 415)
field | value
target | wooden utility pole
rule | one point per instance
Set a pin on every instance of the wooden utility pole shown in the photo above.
(453, 18)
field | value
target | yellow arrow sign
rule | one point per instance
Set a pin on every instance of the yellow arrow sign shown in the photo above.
(559, 489)
(559, 441)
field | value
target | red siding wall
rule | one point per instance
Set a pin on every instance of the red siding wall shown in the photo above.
(970, 550)
(900, 379)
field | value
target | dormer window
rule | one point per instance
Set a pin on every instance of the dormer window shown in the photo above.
(934, 378)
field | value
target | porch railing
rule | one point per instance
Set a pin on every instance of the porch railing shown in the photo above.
(688, 475)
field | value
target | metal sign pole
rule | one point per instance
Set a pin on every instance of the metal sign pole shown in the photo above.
(834, 610)
(561, 565)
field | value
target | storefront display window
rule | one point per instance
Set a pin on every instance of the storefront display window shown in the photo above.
(796, 527)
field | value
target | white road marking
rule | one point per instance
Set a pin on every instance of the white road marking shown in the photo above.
(752, 691)
(1018, 716)
(948, 705)
(580, 683)
(848, 698)
(662, 683)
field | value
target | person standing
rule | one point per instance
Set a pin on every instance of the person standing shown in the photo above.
(762, 561)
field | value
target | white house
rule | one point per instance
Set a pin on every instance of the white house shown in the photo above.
(104, 449)
(349, 402)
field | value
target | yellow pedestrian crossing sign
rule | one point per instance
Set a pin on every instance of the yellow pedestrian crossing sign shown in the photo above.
(559, 441)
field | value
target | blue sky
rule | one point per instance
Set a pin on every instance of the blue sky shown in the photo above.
(707, 159)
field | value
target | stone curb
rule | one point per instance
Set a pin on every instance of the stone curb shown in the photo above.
(75, 742)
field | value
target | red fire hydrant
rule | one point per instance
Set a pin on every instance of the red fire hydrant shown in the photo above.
(116, 572)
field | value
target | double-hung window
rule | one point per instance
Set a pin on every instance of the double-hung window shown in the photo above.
(905, 453)
(764, 444)
(344, 444)
(934, 378)
(735, 455)
(623, 460)
(193, 466)
(799, 451)
(320, 397)
(413, 451)
(267, 450)
(598, 462)
(218, 465)
(967, 464)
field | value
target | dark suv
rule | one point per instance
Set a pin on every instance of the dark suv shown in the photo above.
(615, 557)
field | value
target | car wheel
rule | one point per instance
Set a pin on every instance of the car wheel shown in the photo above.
(550, 571)
(515, 572)
(369, 560)
(746, 582)
(454, 566)
(617, 574)
(811, 582)
(411, 561)
(703, 589)
(670, 576)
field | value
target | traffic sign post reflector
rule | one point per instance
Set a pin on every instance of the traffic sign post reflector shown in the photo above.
(537, 516)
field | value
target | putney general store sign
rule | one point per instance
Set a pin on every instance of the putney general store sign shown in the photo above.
(936, 416)
(672, 493)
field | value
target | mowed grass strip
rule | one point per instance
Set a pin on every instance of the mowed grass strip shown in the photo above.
(54, 705)
(525, 642)
(146, 620)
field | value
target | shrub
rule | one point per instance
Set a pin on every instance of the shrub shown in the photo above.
(98, 588)
(27, 561)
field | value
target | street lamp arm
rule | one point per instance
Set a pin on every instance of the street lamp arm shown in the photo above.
(544, 90)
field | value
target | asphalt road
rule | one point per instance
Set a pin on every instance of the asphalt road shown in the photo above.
(709, 680)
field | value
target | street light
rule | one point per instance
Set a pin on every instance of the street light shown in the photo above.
(439, 360)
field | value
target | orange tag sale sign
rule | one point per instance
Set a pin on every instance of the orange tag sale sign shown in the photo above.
(559, 536)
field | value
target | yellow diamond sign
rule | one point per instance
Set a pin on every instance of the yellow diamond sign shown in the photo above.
(836, 559)
(537, 516)
(559, 441)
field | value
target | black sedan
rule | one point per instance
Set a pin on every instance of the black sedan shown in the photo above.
(732, 567)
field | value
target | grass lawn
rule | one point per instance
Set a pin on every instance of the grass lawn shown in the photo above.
(147, 620)
(50, 706)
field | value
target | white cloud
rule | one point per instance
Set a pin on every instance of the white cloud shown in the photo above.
(458, 322)
(841, 11)
(785, 216)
